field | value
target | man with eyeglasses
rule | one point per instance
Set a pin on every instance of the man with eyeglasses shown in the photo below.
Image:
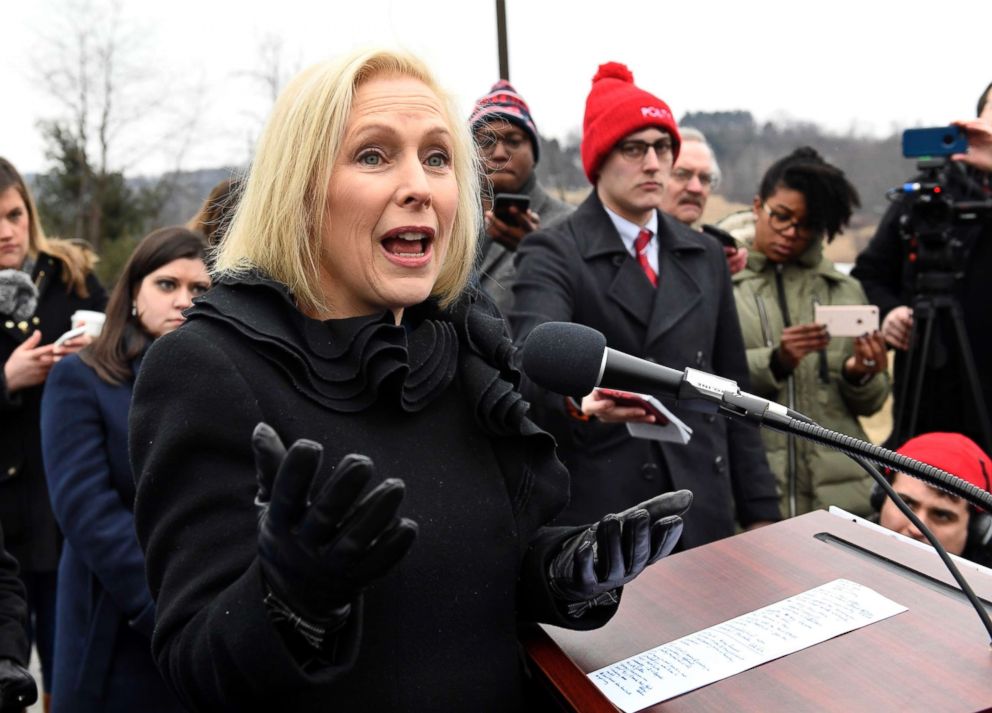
(695, 175)
(656, 289)
(506, 137)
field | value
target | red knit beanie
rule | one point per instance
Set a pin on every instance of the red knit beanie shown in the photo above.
(615, 108)
(957, 454)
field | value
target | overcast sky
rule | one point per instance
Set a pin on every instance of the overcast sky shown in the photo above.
(869, 65)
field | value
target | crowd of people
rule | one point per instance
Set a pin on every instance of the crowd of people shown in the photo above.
(298, 467)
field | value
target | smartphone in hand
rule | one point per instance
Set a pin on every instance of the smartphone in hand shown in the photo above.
(627, 398)
(847, 320)
(502, 203)
(71, 334)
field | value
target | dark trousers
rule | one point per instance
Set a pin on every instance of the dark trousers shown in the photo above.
(41, 587)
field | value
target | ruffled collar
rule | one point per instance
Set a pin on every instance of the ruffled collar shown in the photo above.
(343, 364)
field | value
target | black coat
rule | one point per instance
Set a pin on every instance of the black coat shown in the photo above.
(579, 271)
(435, 407)
(887, 268)
(13, 610)
(32, 535)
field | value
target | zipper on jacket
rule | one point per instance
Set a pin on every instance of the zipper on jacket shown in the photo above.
(766, 328)
(790, 440)
(824, 369)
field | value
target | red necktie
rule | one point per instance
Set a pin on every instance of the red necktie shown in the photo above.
(641, 248)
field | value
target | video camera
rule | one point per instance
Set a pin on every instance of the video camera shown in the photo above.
(933, 203)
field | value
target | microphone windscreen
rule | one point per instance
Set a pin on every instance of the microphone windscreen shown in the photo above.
(564, 357)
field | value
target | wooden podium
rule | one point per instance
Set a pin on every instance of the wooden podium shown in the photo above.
(934, 657)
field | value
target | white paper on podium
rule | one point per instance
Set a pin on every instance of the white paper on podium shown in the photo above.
(741, 643)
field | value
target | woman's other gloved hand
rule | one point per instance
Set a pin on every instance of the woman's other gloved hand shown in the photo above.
(602, 558)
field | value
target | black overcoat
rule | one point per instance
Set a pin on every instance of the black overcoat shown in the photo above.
(579, 271)
(32, 535)
(434, 406)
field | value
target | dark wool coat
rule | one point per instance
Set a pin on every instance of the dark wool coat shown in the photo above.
(105, 613)
(32, 536)
(579, 271)
(13, 610)
(435, 406)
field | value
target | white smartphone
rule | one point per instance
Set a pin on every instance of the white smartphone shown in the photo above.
(847, 320)
(71, 334)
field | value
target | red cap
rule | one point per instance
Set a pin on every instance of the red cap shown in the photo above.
(616, 108)
(957, 454)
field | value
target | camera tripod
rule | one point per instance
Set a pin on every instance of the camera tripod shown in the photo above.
(934, 307)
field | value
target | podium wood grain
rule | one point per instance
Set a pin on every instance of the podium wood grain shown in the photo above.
(934, 657)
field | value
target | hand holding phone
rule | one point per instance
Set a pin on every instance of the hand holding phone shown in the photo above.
(70, 335)
(629, 399)
(502, 202)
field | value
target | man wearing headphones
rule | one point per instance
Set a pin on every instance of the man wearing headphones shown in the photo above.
(961, 528)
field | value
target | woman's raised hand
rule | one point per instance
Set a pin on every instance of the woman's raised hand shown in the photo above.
(321, 543)
(29, 364)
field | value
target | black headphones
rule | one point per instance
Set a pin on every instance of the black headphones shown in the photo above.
(979, 521)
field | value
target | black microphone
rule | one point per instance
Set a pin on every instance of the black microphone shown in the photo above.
(572, 359)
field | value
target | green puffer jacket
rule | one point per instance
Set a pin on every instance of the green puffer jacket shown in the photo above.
(820, 477)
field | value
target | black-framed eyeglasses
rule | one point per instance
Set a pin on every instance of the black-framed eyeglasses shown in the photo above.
(684, 175)
(487, 143)
(781, 222)
(635, 150)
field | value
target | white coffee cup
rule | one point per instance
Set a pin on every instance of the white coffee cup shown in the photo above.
(92, 321)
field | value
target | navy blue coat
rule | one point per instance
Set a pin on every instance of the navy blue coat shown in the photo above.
(105, 612)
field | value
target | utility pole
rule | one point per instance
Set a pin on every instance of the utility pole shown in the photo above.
(504, 57)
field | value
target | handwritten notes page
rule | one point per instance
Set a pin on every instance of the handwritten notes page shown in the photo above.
(736, 645)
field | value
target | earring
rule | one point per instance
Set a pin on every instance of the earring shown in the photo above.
(134, 309)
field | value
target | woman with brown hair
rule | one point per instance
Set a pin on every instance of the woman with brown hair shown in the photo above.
(105, 611)
(42, 282)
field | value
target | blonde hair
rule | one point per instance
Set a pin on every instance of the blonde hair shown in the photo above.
(279, 222)
(76, 256)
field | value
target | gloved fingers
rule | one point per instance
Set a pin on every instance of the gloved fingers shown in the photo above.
(584, 581)
(391, 546)
(369, 519)
(269, 452)
(335, 499)
(676, 502)
(665, 535)
(609, 550)
(289, 491)
(636, 543)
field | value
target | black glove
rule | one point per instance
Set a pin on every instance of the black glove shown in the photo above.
(17, 687)
(318, 552)
(607, 555)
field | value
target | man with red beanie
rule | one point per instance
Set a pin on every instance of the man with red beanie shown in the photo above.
(506, 137)
(961, 528)
(658, 290)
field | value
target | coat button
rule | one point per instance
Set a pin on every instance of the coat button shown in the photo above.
(12, 470)
(8, 324)
(699, 358)
(618, 260)
(709, 418)
(718, 464)
(649, 471)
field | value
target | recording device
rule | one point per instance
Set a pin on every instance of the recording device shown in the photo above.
(934, 141)
(847, 320)
(573, 359)
(502, 202)
(937, 206)
(725, 238)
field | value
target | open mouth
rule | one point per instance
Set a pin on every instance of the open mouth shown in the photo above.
(408, 244)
